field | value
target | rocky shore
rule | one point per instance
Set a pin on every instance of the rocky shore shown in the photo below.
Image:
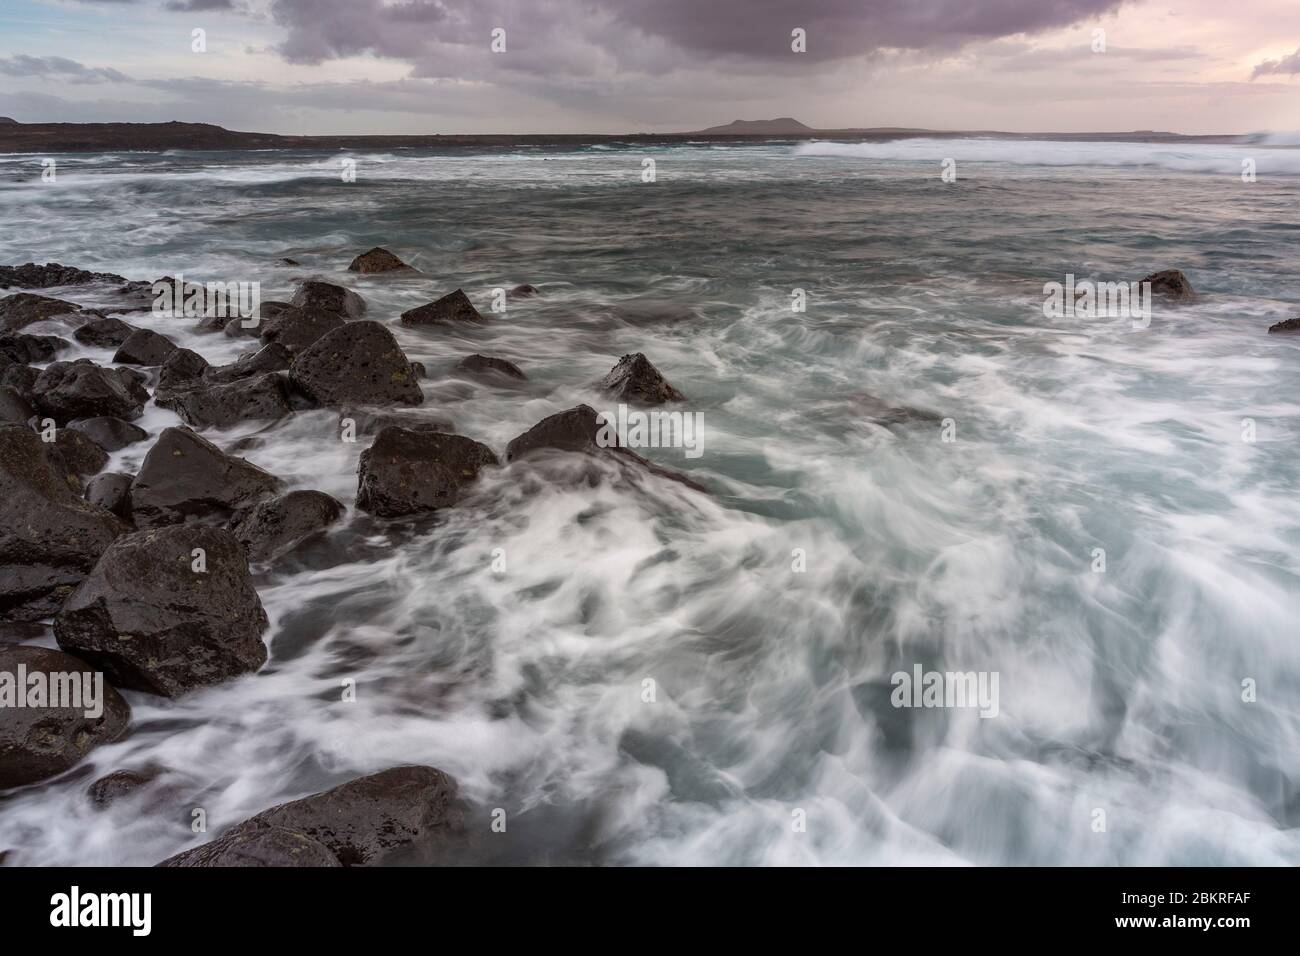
(145, 578)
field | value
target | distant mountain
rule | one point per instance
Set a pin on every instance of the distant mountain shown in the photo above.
(8, 121)
(782, 126)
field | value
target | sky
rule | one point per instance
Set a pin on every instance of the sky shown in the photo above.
(621, 66)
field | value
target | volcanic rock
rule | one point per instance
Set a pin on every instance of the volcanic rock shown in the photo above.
(405, 472)
(21, 310)
(635, 379)
(488, 364)
(359, 363)
(313, 294)
(271, 528)
(452, 307)
(184, 477)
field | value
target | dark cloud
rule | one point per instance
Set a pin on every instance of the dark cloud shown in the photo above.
(195, 6)
(1286, 66)
(59, 68)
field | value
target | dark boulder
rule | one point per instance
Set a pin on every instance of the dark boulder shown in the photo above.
(29, 275)
(112, 492)
(271, 528)
(25, 308)
(21, 378)
(524, 291)
(23, 348)
(221, 406)
(1171, 283)
(184, 477)
(259, 847)
(181, 370)
(452, 307)
(406, 472)
(144, 347)
(489, 365)
(104, 332)
(269, 358)
(1289, 325)
(383, 818)
(156, 621)
(295, 329)
(573, 430)
(110, 434)
(378, 260)
(42, 741)
(368, 421)
(359, 363)
(242, 328)
(13, 407)
(82, 389)
(75, 455)
(120, 785)
(49, 537)
(635, 379)
(313, 294)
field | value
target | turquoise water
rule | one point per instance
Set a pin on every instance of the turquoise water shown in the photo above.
(771, 737)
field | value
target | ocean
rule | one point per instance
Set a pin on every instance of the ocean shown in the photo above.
(910, 469)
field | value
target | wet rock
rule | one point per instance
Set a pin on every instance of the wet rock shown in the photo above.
(82, 389)
(452, 307)
(110, 434)
(634, 379)
(269, 358)
(406, 472)
(221, 406)
(13, 407)
(155, 623)
(575, 429)
(378, 260)
(242, 328)
(359, 363)
(112, 492)
(39, 742)
(260, 847)
(368, 421)
(882, 413)
(120, 785)
(1171, 283)
(23, 348)
(21, 378)
(75, 455)
(183, 368)
(104, 332)
(486, 364)
(1289, 325)
(29, 275)
(184, 477)
(144, 347)
(286, 261)
(25, 308)
(272, 528)
(375, 820)
(419, 371)
(524, 291)
(49, 537)
(295, 329)
(329, 297)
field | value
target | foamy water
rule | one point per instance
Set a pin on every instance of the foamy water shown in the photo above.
(1120, 690)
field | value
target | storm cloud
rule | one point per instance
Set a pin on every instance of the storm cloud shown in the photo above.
(59, 68)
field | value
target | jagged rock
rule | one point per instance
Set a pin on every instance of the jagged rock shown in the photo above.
(104, 332)
(524, 291)
(39, 742)
(157, 623)
(371, 821)
(269, 358)
(405, 472)
(271, 528)
(120, 785)
(75, 455)
(25, 308)
(112, 492)
(452, 307)
(21, 378)
(49, 537)
(635, 379)
(313, 294)
(1289, 325)
(220, 406)
(1171, 283)
(13, 407)
(488, 364)
(23, 348)
(183, 368)
(296, 329)
(359, 363)
(144, 347)
(110, 434)
(82, 389)
(184, 477)
(261, 847)
(29, 275)
(368, 421)
(419, 371)
(377, 260)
